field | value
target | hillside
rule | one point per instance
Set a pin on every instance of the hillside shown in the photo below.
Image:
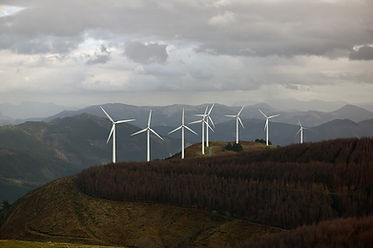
(58, 212)
(217, 148)
(291, 186)
(320, 192)
(348, 232)
(35, 244)
(34, 153)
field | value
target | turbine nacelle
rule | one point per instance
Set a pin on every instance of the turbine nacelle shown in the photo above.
(149, 130)
(112, 131)
(238, 120)
(182, 133)
(266, 126)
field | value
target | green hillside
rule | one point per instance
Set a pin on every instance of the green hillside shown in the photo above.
(34, 153)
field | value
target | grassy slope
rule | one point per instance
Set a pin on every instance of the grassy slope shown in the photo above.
(216, 148)
(58, 212)
(34, 244)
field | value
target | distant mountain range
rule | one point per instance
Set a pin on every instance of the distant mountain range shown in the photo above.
(170, 115)
(34, 153)
(27, 111)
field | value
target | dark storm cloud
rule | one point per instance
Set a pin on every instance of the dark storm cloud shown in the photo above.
(146, 53)
(363, 53)
(238, 28)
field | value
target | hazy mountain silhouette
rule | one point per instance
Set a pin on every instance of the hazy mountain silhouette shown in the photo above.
(170, 115)
(36, 152)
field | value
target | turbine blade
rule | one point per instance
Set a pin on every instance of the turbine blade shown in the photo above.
(206, 110)
(239, 119)
(190, 130)
(241, 110)
(211, 109)
(300, 124)
(211, 121)
(138, 132)
(273, 116)
(124, 121)
(231, 116)
(194, 122)
(111, 133)
(182, 118)
(298, 131)
(263, 113)
(156, 133)
(200, 115)
(208, 126)
(174, 130)
(108, 116)
(266, 125)
(150, 117)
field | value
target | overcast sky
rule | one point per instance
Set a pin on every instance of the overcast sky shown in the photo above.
(151, 52)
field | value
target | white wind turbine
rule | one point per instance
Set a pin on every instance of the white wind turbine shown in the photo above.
(301, 128)
(208, 118)
(148, 130)
(266, 126)
(112, 132)
(182, 133)
(203, 121)
(238, 119)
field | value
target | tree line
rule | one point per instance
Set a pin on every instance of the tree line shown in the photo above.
(286, 187)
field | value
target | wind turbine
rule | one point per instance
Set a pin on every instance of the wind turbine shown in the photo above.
(301, 128)
(148, 130)
(266, 127)
(238, 119)
(182, 133)
(208, 118)
(203, 121)
(112, 132)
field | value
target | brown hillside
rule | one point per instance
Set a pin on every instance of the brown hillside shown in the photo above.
(285, 187)
(350, 232)
(59, 212)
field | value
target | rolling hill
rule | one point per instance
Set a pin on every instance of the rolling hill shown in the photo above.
(319, 192)
(34, 153)
(59, 212)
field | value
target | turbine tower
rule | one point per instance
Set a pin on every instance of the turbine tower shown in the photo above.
(301, 128)
(182, 133)
(266, 126)
(148, 130)
(238, 119)
(203, 122)
(112, 132)
(208, 118)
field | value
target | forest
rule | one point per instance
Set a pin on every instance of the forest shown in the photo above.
(285, 187)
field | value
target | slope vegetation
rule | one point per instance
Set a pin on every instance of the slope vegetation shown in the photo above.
(285, 187)
(349, 232)
(59, 212)
(34, 153)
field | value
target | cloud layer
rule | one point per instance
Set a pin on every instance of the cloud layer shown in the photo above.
(298, 46)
